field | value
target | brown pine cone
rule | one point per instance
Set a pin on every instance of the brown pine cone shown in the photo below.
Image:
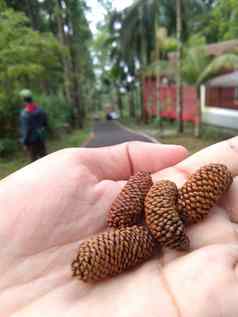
(162, 218)
(112, 252)
(128, 205)
(201, 192)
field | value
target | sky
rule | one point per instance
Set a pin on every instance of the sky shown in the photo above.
(97, 12)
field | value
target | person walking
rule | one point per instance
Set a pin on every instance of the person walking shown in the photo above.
(33, 127)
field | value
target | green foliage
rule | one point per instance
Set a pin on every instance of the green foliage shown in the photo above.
(219, 65)
(25, 54)
(195, 60)
(194, 14)
(138, 31)
(223, 21)
(9, 111)
(7, 147)
(59, 112)
(27, 58)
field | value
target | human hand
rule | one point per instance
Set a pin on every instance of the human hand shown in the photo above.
(49, 206)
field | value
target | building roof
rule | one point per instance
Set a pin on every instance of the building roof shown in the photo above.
(214, 49)
(228, 80)
(217, 49)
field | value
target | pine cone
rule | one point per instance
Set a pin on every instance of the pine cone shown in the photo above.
(128, 205)
(202, 191)
(162, 218)
(112, 252)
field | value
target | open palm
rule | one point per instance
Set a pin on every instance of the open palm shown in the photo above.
(51, 205)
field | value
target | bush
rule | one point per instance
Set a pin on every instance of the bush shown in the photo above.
(9, 113)
(7, 147)
(59, 112)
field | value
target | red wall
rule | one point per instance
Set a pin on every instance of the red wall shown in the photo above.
(168, 101)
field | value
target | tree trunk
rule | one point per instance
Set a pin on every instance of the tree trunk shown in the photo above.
(62, 39)
(143, 64)
(119, 102)
(74, 38)
(179, 99)
(33, 14)
(201, 101)
(144, 113)
(157, 84)
(131, 105)
(78, 111)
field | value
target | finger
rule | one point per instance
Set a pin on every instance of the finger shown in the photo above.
(225, 152)
(121, 161)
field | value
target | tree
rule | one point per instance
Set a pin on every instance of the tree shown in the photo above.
(195, 59)
(179, 102)
(137, 36)
(138, 30)
(23, 65)
(221, 64)
(66, 20)
(79, 36)
(223, 21)
(65, 56)
(31, 8)
(194, 14)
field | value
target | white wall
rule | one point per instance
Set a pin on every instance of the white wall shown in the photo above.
(226, 118)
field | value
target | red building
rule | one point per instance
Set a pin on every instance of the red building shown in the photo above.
(225, 96)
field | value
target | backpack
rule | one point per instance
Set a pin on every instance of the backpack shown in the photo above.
(39, 134)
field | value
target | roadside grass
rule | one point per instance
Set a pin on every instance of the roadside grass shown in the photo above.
(20, 159)
(166, 132)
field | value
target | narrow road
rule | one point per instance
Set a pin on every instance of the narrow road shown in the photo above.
(111, 133)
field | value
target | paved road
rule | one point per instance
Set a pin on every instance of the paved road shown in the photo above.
(111, 133)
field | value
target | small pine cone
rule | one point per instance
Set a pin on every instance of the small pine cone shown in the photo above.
(112, 252)
(201, 192)
(162, 218)
(128, 205)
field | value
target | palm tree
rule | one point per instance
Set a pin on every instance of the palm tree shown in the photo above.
(139, 26)
(138, 30)
(179, 106)
(221, 64)
(123, 66)
(194, 13)
(138, 35)
(195, 61)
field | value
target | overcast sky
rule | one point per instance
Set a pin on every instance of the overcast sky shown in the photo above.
(97, 12)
